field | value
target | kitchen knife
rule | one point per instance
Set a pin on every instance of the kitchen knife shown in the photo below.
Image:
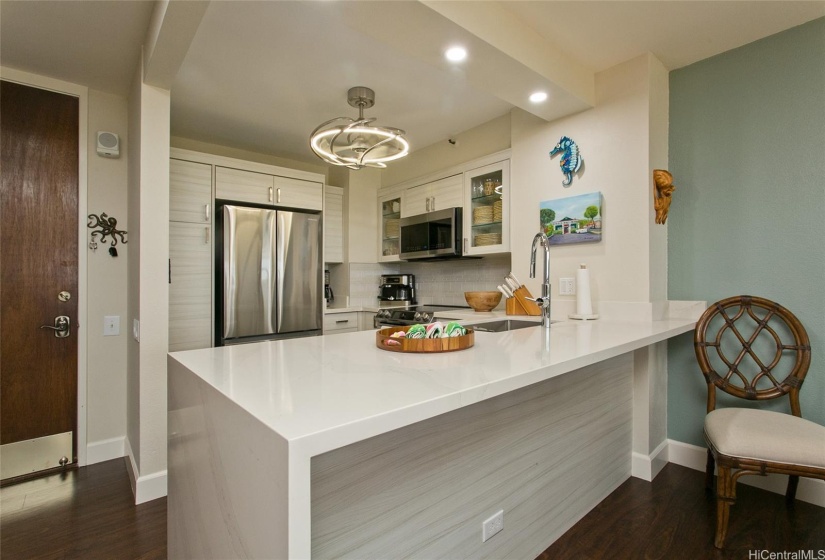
(503, 291)
(516, 280)
(507, 290)
(513, 285)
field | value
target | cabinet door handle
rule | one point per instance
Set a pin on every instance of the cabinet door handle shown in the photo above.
(465, 245)
(433, 205)
(206, 212)
(206, 237)
(279, 195)
(342, 321)
(270, 194)
(428, 204)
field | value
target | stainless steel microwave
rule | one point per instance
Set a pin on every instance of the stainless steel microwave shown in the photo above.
(431, 235)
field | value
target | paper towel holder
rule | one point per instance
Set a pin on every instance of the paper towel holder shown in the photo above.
(583, 282)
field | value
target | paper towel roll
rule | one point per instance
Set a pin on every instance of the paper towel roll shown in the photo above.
(583, 303)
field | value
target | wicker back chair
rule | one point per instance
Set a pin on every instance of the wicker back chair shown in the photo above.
(755, 349)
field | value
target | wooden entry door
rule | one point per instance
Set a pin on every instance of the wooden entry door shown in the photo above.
(38, 261)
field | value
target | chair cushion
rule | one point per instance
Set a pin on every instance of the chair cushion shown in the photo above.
(765, 435)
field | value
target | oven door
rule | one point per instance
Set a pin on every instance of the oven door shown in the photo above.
(435, 234)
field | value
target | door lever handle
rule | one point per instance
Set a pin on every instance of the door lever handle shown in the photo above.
(61, 326)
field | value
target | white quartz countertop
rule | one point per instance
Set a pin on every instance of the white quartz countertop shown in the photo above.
(329, 391)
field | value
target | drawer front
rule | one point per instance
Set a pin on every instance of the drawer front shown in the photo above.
(338, 321)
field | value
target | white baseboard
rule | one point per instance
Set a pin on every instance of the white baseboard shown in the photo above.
(145, 488)
(694, 457)
(105, 450)
(647, 467)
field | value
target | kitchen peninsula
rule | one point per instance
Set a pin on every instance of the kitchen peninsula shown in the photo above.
(328, 447)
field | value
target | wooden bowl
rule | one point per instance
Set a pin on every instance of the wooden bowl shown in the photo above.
(482, 301)
(384, 341)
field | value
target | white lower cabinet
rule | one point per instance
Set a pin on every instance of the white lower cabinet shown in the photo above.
(190, 286)
(365, 321)
(337, 323)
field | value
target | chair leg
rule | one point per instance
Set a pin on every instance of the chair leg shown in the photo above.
(790, 493)
(725, 497)
(709, 471)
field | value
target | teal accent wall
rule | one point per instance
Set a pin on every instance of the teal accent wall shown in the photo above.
(747, 153)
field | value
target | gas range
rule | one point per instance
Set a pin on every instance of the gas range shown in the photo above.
(410, 315)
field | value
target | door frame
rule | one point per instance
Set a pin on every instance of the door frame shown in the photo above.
(82, 94)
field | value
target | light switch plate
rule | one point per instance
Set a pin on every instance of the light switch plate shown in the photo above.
(111, 325)
(567, 287)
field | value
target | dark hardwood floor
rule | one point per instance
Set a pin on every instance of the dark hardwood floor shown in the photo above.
(89, 513)
(674, 517)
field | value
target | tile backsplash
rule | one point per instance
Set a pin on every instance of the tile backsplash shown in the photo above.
(436, 282)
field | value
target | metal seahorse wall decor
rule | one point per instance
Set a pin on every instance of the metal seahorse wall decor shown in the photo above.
(571, 159)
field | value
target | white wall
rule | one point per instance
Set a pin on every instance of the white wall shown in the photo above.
(106, 371)
(488, 138)
(226, 151)
(614, 138)
(148, 287)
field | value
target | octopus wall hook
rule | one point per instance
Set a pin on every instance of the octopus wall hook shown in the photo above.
(571, 160)
(663, 188)
(105, 226)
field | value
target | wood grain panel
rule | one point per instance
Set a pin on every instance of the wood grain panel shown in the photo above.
(545, 454)
(297, 193)
(39, 260)
(244, 186)
(190, 292)
(190, 191)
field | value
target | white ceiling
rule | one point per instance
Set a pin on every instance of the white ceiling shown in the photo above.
(262, 75)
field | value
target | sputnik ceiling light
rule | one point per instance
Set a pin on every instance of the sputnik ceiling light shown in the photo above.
(354, 143)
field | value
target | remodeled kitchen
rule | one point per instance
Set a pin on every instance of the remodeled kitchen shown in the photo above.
(298, 430)
(409, 344)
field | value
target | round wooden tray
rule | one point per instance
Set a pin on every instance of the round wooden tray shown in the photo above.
(421, 344)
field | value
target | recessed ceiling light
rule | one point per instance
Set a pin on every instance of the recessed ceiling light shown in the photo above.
(538, 97)
(456, 54)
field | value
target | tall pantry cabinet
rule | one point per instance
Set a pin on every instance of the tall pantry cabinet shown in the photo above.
(190, 255)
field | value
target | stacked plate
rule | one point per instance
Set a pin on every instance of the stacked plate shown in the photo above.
(483, 239)
(482, 215)
(497, 211)
(391, 227)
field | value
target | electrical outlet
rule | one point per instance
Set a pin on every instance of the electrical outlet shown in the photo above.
(492, 525)
(111, 325)
(567, 287)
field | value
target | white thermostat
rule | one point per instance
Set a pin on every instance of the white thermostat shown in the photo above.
(108, 144)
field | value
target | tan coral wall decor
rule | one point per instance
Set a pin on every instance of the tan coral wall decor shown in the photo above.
(663, 188)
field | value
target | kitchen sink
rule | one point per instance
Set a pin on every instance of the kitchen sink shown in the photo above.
(503, 325)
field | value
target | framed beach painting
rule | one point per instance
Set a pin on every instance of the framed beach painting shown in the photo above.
(572, 219)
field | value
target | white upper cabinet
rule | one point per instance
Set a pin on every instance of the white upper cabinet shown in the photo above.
(244, 186)
(389, 214)
(487, 209)
(333, 224)
(262, 188)
(435, 195)
(190, 191)
(297, 193)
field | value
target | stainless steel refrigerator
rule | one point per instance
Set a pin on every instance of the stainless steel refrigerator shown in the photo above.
(269, 275)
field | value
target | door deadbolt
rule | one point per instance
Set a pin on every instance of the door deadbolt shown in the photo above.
(61, 326)
(64, 296)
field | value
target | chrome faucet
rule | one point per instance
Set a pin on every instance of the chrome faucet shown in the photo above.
(544, 300)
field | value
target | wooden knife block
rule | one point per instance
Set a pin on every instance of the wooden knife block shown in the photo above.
(520, 305)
